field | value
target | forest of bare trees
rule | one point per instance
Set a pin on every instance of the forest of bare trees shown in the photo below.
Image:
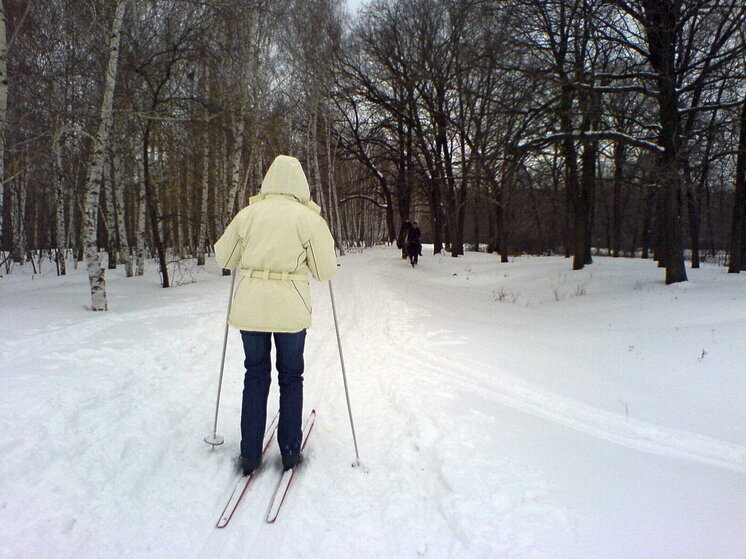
(135, 129)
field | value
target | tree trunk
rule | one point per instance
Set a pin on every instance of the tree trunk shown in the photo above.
(334, 200)
(693, 212)
(249, 172)
(661, 26)
(477, 216)
(591, 194)
(738, 228)
(571, 178)
(222, 179)
(96, 276)
(59, 214)
(616, 237)
(314, 153)
(71, 225)
(123, 247)
(109, 217)
(659, 228)
(435, 201)
(695, 192)
(18, 216)
(202, 234)
(141, 227)
(460, 199)
(151, 203)
(238, 139)
(590, 104)
(501, 232)
(675, 268)
(582, 208)
(3, 110)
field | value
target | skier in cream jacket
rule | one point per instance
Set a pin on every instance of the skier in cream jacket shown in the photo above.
(274, 244)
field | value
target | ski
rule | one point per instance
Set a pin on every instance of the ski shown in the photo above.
(281, 491)
(243, 482)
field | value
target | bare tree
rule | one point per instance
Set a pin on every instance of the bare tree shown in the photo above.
(3, 107)
(96, 276)
(527, 126)
(738, 230)
(685, 45)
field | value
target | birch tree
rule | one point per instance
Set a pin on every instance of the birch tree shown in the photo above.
(202, 233)
(140, 219)
(3, 107)
(59, 182)
(123, 248)
(239, 128)
(5, 45)
(96, 275)
(107, 190)
(19, 192)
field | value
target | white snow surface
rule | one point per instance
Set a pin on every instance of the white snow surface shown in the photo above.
(517, 410)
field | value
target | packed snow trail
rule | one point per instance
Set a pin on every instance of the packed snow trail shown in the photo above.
(503, 410)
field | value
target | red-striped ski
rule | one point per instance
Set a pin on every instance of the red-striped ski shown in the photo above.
(243, 483)
(281, 491)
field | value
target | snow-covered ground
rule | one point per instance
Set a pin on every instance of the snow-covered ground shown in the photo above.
(515, 410)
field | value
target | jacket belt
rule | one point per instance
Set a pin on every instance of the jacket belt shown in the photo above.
(266, 274)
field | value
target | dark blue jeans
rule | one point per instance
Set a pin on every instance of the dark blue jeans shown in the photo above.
(257, 347)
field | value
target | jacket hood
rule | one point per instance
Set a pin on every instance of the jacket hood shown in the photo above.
(286, 176)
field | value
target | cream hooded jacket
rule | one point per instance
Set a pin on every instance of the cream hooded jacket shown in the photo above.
(276, 241)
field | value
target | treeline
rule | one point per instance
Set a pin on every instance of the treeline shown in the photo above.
(555, 125)
(138, 128)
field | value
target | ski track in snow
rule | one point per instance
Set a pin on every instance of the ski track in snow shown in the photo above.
(108, 412)
(511, 391)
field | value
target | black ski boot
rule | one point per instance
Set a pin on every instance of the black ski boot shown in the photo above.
(291, 460)
(248, 465)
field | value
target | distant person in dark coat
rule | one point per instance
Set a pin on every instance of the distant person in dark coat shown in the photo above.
(414, 246)
(402, 239)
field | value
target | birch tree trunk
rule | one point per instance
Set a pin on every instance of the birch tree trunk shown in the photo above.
(257, 170)
(183, 210)
(140, 236)
(59, 189)
(221, 187)
(109, 218)
(96, 276)
(309, 157)
(252, 174)
(238, 139)
(230, 199)
(333, 202)
(3, 107)
(152, 198)
(71, 227)
(243, 198)
(18, 217)
(202, 235)
(123, 248)
(315, 156)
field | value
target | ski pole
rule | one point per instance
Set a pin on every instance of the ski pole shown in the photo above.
(215, 439)
(344, 374)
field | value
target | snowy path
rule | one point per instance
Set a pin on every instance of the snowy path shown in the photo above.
(503, 411)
